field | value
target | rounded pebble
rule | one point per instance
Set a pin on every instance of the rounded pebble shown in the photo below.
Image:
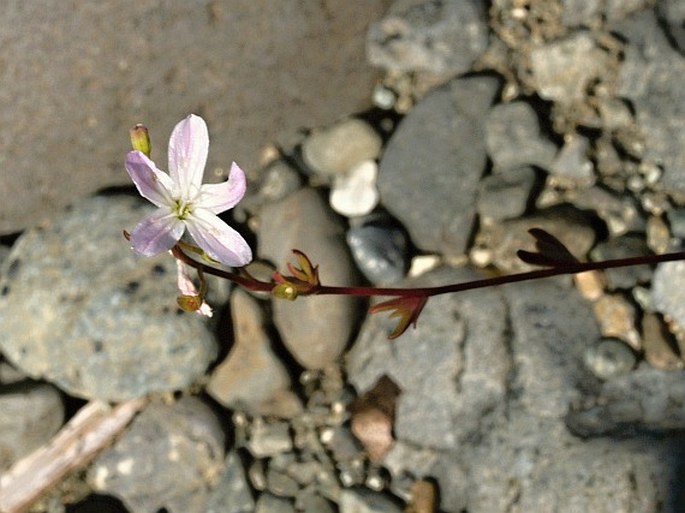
(379, 251)
(335, 150)
(610, 358)
(354, 194)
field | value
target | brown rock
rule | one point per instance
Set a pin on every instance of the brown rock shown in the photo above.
(315, 329)
(252, 378)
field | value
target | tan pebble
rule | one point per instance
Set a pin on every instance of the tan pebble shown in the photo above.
(590, 284)
(616, 317)
(658, 351)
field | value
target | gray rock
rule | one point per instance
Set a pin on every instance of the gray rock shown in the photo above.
(232, 492)
(268, 503)
(623, 247)
(252, 378)
(380, 251)
(29, 415)
(431, 167)
(552, 327)
(580, 12)
(589, 12)
(506, 195)
(651, 77)
(443, 38)
(10, 374)
(673, 12)
(452, 369)
(189, 58)
(563, 70)
(170, 457)
(620, 213)
(536, 465)
(314, 329)
(280, 484)
(4, 251)
(513, 137)
(668, 296)
(676, 221)
(79, 309)
(278, 180)
(309, 502)
(572, 165)
(645, 399)
(269, 439)
(336, 149)
(362, 500)
(610, 358)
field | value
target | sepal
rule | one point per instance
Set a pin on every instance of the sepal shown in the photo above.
(406, 309)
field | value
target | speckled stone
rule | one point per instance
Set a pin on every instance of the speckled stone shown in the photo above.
(563, 69)
(170, 457)
(79, 309)
(441, 37)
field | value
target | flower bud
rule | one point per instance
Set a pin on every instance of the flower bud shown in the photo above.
(140, 139)
(285, 290)
(189, 303)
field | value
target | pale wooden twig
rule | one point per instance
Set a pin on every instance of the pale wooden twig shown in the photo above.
(92, 429)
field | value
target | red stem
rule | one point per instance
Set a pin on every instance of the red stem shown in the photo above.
(566, 268)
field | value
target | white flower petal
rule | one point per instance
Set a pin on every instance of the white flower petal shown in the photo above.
(188, 148)
(220, 241)
(157, 233)
(219, 197)
(152, 184)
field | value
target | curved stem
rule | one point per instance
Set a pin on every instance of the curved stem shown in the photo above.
(566, 268)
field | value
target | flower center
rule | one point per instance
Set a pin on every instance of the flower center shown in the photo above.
(183, 209)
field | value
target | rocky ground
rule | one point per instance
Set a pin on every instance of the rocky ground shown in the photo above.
(563, 395)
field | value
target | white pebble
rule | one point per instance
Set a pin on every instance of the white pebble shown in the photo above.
(355, 194)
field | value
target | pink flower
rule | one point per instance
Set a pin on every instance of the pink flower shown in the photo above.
(184, 202)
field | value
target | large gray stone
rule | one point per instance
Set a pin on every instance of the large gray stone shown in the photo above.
(647, 399)
(529, 464)
(79, 309)
(77, 76)
(552, 325)
(431, 167)
(315, 329)
(452, 369)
